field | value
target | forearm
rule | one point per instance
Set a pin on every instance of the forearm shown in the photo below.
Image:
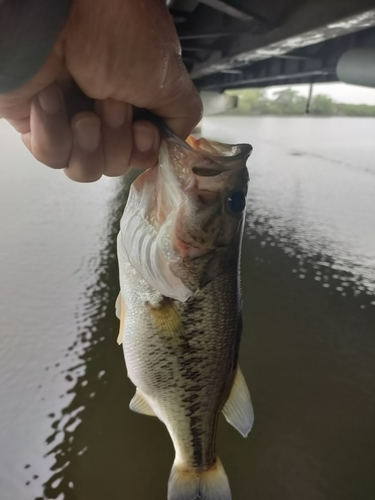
(28, 31)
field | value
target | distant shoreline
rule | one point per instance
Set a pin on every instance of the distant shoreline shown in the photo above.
(289, 102)
(300, 115)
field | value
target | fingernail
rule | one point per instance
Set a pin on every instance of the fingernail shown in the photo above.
(115, 113)
(49, 100)
(87, 133)
(144, 138)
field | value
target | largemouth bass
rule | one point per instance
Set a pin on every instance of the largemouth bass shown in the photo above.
(180, 303)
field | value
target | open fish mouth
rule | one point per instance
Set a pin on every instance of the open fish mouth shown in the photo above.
(204, 165)
(214, 150)
(216, 157)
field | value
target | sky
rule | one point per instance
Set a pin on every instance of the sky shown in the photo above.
(340, 92)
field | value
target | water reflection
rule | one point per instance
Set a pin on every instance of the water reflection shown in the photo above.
(97, 447)
(319, 194)
(314, 257)
(308, 354)
(308, 350)
(94, 397)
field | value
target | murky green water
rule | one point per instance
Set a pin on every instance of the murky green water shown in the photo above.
(308, 348)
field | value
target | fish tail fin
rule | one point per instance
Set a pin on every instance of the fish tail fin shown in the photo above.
(211, 484)
(214, 484)
(183, 484)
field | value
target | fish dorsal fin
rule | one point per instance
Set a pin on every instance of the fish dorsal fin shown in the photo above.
(120, 313)
(238, 409)
(139, 404)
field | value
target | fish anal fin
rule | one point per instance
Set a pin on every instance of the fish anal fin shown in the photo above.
(238, 409)
(120, 313)
(139, 404)
(166, 320)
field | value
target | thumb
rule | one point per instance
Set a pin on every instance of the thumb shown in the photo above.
(179, 103)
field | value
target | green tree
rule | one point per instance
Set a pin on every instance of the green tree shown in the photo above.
(323, 105)
(288, 102)
(251, 101)
(355, 110)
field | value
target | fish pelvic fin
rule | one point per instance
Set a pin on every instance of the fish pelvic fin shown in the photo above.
(120, 313)
(211, 484)
(238, 409)
(139, 404)
(118, 306)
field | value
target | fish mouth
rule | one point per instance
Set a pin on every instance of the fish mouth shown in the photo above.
(207, 172)
(203, 167)
(233, 157)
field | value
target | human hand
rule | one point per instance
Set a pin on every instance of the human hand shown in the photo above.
(121, 53)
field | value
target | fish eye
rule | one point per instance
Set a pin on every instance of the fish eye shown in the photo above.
(237, 202)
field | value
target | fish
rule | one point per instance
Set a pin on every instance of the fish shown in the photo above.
(180, 303)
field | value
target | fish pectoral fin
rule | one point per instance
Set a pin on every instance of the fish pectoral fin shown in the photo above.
(120, 313)
(238, 409)
(139, 404)
(166, 320)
